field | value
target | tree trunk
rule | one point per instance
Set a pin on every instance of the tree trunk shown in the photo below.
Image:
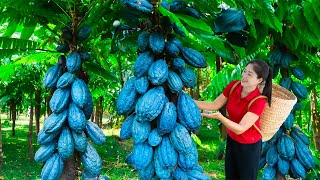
(30, 133)
(101, 111)
(1, 155)
(223, 110)
(279, 176)
(96, 118)
(14, 116)
(315, 120)
(37, 110)
(92, 115)
(69, 169)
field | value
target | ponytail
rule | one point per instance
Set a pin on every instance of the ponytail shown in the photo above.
(267, 90)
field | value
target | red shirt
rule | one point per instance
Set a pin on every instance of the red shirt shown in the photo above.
(237, 107)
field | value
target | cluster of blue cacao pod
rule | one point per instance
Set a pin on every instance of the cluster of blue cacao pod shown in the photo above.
(159, 115)
(66, 131)
(288, 151)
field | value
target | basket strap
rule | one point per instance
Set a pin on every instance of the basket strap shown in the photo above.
(250, 103)
(233, 87)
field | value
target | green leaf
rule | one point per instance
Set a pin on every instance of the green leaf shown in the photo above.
(96, 69)
(28, 29)
(254, 43)
(282, 9)
(196, 139)
(267, 16)
(305, 34)
(12, 26)
(6, 72)
(173, 18)
(290, 38)
(196, 23)
(311, 17)
(316, 7)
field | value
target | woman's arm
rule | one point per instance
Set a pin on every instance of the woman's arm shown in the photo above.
(220, 101)
(246, 122)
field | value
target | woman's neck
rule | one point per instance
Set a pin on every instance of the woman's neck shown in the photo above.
(247, 90)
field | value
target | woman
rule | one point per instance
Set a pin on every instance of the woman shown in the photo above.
(243, 141)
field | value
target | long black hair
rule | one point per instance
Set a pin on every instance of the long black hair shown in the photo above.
(264, 71)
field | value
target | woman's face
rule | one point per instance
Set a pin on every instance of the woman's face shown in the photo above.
(250, 77)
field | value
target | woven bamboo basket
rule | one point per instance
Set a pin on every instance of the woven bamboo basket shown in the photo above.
(272, 118)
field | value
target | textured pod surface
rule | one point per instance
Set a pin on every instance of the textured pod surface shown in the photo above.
(269, 173)
(285, 82)
(55, 121)
(158, 72)
(150, 104)
(286, 147)
(188, 161)
(59, 100)
(188, 112)
(288, 123)
(154, 138)
(79, 92)
(66, 80)
(88, 108)
(143, 40)
(167, 155)
(148, 172)
(180, 174)
(51, 77)
(142, 85)
(53, 168)
(194, 58)
(140, 131)
(180, 138)
(127, 98)
(45, 138)
(298, 135)
(299, 90)
(161, 171)
(84, 32)
(174, 40)
(91, 160)
(142, 64)
(174, 82)
(272, 156)
(167, 119)
(286, 59)
(197, 175)
(73, 62)
(65, 144)
(95, 133)
(304, 155)
(140, 5)
(142, 155)
(297, 168)
(172, 49)
(275, 57)
(45, 152)
(283, 166)
(126, 127)
(156, 41)
(178, 63)
(76, 118)
(298, 73)
(80, 141)
(188, 77)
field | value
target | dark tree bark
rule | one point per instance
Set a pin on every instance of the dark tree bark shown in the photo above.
(13, 108)
(30, 133)
(101, 111)
(315, 120)
(38, 109)
(69, 169)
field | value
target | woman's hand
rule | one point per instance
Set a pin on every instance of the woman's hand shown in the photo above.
(216, 115)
